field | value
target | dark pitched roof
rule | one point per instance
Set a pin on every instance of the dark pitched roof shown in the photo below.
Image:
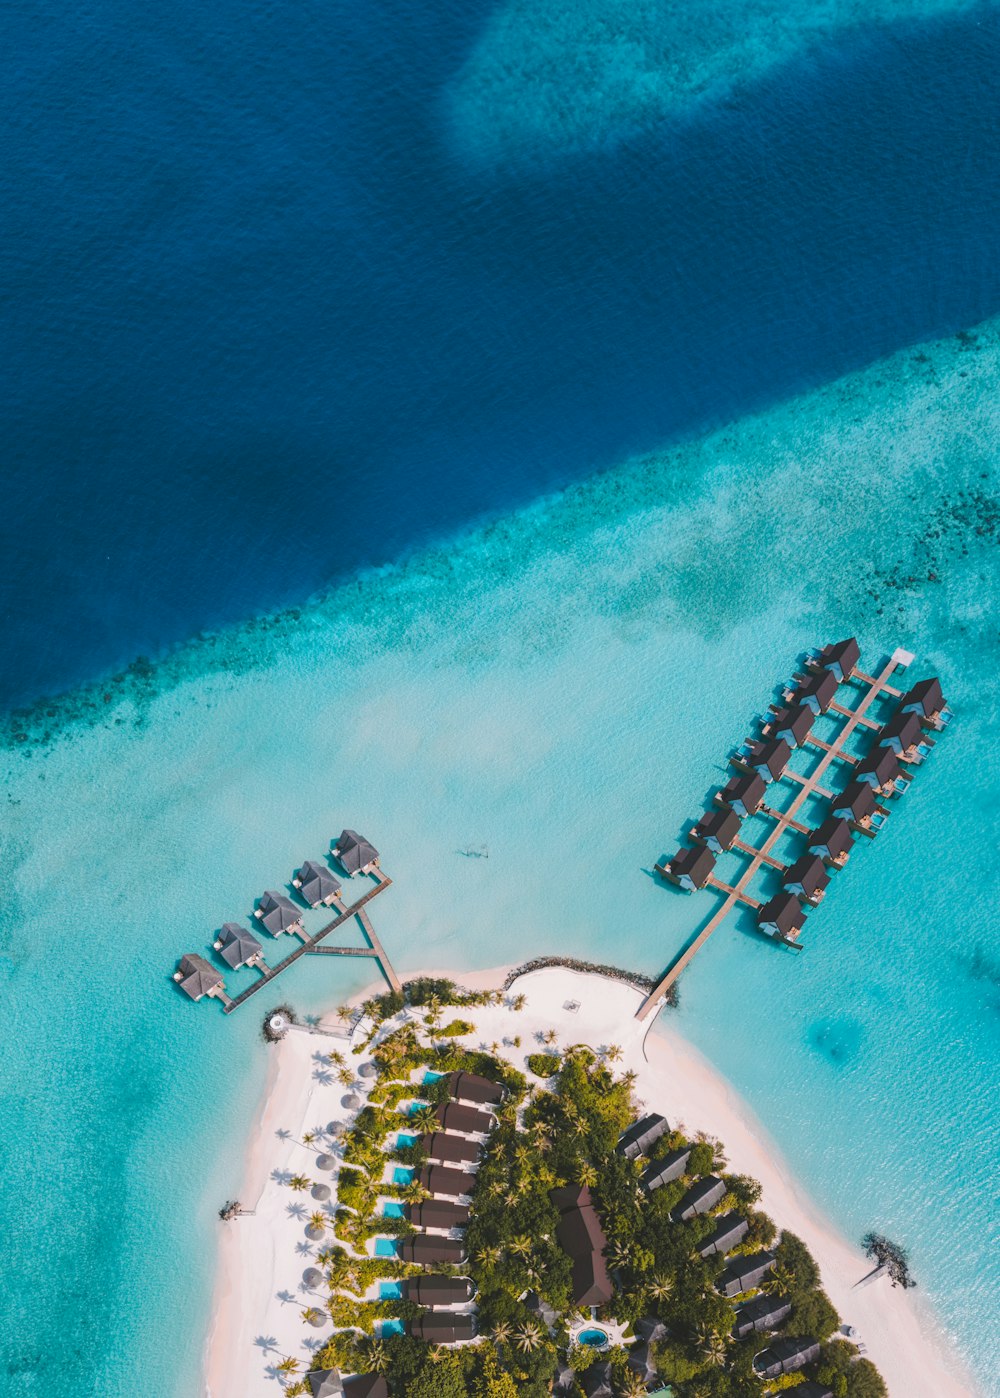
(196, 976)
(703, 1195)
(744, 1272)
(324, 1383)
(440, 1329)
(834, 834)
(366, 1386)
(671, 1167)
(582, 1238)
(236, 945)
(354, 852)
(882, 763)
(808, 1390)
(845, 653)
(570, 1196)
(453, 1150)
(794, 719)
(423, 1249)
(439, 1291)
(772, 753)
(855, 802)
(904, 728)
(316, 882)
(638, 1137)
(278, 913)
(926, 693)
(809, 871)
(438, 1213)
(590, 1283)
(750, 788)
(724, 825)
(438, 1179)
(785, 1356)
(785, 911)
(729, 1230)
(596, 1380)
(470, 1087)
(762, 1313)
(457, 1116)
(821, 687)
(696, 861)
(579, 1231)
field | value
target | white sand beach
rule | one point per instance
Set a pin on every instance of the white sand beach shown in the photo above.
(260, 1293)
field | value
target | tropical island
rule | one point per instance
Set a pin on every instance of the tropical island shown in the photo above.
(507, 1221)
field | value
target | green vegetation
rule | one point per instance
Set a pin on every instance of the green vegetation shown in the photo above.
(543, 1065)
(456, 1028)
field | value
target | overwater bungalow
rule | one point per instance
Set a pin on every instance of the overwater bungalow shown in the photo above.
(729, 1231)
(691, 867)
(448, 1149)
(793, 723)
(745, 794)
(785, 1356)
(198, 977)
(470, 1087)
(744, 1273)
(316, 884)
(761, 1314)
(903, 734)
(718, 829)
(703, 1195)
(440, 1291)
(857, 804)
(807, 878)
(238, 947)
(438, 1215)
(926, 701)
(432, 1250)
(439, 1181)
(642, 1134)
(665, 1171)
(840, 658)
(459, 1116)
(817, 690)
(782, 916)
(278, 914)
(832, 841)
(880, 769)
(769, 758)
(354, 853)
(437, 1328)
(582, 1238)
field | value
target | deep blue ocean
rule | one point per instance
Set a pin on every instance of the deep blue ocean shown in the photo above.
(474, 410)
(265, 319)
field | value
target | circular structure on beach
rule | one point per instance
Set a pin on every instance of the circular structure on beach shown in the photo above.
(333, 1128)
(325, 1162)
(592, 1338)
(277, 1025)
(312, 1276)
(351, 1102)
(368, 1070)
(318, 1319)
(320, 1191)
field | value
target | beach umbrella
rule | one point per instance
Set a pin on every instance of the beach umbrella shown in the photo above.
(312, 1276)
(368, 1070)
(325, 1162)
(332, 1127)
(351, 1102)
(321, 1191)
(319, 1319)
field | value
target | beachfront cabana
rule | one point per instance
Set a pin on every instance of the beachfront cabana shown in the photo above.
(471, 1087)
(818, 691)
(440, 1291)
(438, 1180)
(926, 700)
(832, 841)
(729, 1231)
(368, 1070)
(582, 1238)
(769, 758)
(316, 884)
(880, 769)
(703, 1195)
(238, 947)
(761, 1314)
(841, 658)
(432, 1250)
(665, 1171)
(744, 793)
(448, 1149)
(642, 1134)
(856, 803)
(807, 878)
(744, 1273)
(198, 977)
(718, 829)
(692, 866)
(459, 1116)
(439, 1215)
(793, 723)
(278, 914)
(901, 734)
(438, 1329)
(354, 853)
(782, 916)
(312, 1276)
(785, 1356)
(366, 1386)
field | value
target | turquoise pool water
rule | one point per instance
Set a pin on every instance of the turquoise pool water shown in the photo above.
(404, 1138)
(392, 1327)
(393, 1209)
(593, 1339)
(415, 1107)
(390, 1291)
(431, 1076)
(386, 1247)
(403, 1174)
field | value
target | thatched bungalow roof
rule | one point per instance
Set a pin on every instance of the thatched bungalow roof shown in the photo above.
(703, 1195)
(450, 1150)
(743, 1273)
(782, 916)
(236, 945)
(427, 1250)
(793, 723)
(197, 977)
(693, 864)
(718, 828)
(665, 1171)
(785, 1356)
(729, 1230)
(637, 1138)
(856, 802)
(437, 1328)
(278, 913)
(316, 883)
(760, 1314)
(807, 876)
(458, 1116)
(769, 758)
(924, 698)
(471, 1087)
(841, 657)
(744, 793)
(440, 1291)
(879, 767)
(833, 837)
(439, 1180)
(439, 1214)
(355, 854)
(818, 691)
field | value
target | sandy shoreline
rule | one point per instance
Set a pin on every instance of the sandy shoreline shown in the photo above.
(259, 1293)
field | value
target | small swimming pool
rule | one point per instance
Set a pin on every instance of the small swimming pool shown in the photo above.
(403, 1138)
(390, 1291)
(416, 1107)
(431, 1076)
(392, 1327)
(593, 1339)
(386, 1247)
(392, 1208)
(403, 1174)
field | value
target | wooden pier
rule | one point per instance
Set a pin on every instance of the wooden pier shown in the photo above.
(311, 945)
(808, 786)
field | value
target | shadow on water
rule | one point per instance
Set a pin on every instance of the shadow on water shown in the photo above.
(262, 315)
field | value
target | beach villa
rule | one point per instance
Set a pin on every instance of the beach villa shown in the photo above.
(703, 1195)
(665, 1171)
(729, 1231)
(785, 1357)
(744, 1273)
(642, 1134)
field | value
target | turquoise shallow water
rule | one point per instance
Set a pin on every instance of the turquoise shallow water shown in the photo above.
(561, 686)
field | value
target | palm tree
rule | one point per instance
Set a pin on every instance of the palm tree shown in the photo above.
(344, 1013)
(336, 1057)
(519, 1002)
(632, 1386)
(288, 1365)
(661, 1287)
(489, 1256)
(425, 1119)
(345, 1077)
(318, 1222)
(549, 1037)
(299, 1182)
(586, 1174)
(781, 1279)
(521, 1245)
(377, 1356)
(310, 1315)
(612, 1053)
(503, 1330)
(629, 1079)
(529, 1338)
(715, 1350)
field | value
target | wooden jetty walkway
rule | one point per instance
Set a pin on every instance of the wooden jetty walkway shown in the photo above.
(808, 786)
(311, 945)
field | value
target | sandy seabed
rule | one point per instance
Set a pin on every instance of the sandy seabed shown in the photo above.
(260, 1294)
